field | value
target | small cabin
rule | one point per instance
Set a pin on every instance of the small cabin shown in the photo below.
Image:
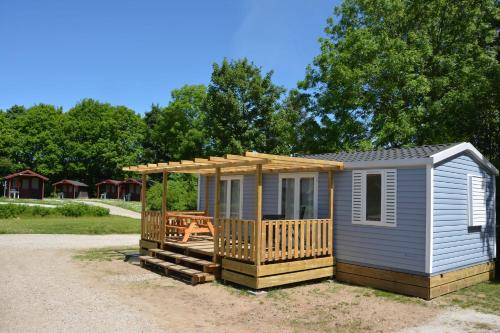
(73, 189)
(130, 189)
(25, 184)
(108, 189)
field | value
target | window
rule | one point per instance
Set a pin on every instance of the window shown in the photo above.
(298, 196)
(231, 197)
(374, 197)
(35, 183)
(477, 201)
(25, 184)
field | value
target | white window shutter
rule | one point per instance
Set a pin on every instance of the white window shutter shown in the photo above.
(357, 196)
(477, 201)
(390, 194)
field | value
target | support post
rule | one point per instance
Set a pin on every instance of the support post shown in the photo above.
(43, 188)
(143, 202)
(258, 216)
(74, 191)
(97, 191)
(207, 179)
(331, 191)
(164, 208)
(216, 215)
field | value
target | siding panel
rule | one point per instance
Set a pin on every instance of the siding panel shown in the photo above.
(455, 244)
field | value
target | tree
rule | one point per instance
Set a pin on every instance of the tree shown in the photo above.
(396, 73)
(176, 131)
(101, 139)
(240, 108)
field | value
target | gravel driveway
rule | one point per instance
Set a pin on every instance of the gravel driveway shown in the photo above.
(113, 210)
(42, 291)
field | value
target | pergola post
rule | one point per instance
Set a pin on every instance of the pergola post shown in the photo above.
(258, 215)
(164, 214)
(216, 213)
(43, 188)
(207, 178)
(97, 191)
(74, 191)
(331, 191)
(143, 202)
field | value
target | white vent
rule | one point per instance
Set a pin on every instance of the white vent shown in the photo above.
(357, 196)
(477, 201)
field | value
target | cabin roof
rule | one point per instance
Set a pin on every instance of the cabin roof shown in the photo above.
(109, 181)
(131, 181)
(26, 173)
(71, 182)
(384, 154)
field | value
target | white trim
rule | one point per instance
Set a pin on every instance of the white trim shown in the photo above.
(227, 213)
(465, 146)
(429, 225)
(388, 163)
(382, 222)
(297, 177)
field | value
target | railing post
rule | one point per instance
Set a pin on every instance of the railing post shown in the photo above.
(164, 208)
(216, 213)
(331, 190)
(143, 203)
(258, 215)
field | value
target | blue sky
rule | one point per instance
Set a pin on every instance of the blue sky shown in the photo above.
(134, 53)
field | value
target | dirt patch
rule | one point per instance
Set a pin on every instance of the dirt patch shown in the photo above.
(321, 306)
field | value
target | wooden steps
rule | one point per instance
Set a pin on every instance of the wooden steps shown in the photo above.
(182, 259)
(195, 276)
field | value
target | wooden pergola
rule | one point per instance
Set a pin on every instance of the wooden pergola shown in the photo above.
(233, 245)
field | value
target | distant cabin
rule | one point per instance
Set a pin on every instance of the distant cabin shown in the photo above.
(25, 184)
(73, 189)
(108, 189)
(130, 189)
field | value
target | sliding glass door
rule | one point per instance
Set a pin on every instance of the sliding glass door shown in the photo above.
(298, 196)
(231, 195)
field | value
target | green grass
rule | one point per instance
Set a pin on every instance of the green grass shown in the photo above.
(396, 297)
(70, 225)
(55, 202)
(484, 297)
(130, 205)
(105, 254)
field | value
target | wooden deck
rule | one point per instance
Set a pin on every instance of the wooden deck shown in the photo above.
(203, 245)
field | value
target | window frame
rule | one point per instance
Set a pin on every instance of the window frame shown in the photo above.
(227, 213)
(383, 203)
(296, 194)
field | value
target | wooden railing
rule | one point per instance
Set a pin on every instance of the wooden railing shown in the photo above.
(280, 239)
(152, 224)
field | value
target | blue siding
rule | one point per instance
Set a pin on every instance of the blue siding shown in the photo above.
(456, 245)
(400, 248)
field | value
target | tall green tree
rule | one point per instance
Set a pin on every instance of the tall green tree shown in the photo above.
(176, 131)
(101, 139)
(240, 107)
(395, 73)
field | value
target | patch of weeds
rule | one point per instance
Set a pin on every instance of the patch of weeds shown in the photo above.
(277, 294)
(482, 327)
(484, 297)
(397, 297)
(233, 289)
(105, 254)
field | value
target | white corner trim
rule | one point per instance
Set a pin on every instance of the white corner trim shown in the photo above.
(465, 146)
(296, 177)
(429, 227)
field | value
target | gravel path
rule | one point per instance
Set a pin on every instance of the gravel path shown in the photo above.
(41, 289)
(113, 210)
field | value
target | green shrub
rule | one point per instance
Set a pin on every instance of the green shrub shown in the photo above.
(78, 209)
(182, 193)
(40, 211)
(11, 210)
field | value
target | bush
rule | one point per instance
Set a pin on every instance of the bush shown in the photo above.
(71, 209)
(78, 209)
(182, 193)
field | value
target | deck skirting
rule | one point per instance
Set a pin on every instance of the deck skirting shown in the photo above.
(426, 287)
(270, 275)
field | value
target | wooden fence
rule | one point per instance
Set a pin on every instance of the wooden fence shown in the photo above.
(176, 221)
(280, 239)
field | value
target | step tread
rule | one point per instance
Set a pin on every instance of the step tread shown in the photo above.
(178, 268)
(185, 258)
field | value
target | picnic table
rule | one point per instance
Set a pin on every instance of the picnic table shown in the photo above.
(187, 224)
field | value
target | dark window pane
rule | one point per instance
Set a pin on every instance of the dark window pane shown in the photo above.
(373, 197)
(287, 197)
(306, 198)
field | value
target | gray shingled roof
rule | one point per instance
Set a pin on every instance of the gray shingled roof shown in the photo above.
(384, 154)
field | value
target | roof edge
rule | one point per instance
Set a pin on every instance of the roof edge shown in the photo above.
(460, 148)
(388, 163)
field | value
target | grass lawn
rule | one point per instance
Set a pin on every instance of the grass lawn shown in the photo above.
(484, 297)
(85, 225)
(55, 202)
(130, 205)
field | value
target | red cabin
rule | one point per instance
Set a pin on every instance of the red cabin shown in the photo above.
(26, 185)
(130, 189)
(108, 189)
(71, 189)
